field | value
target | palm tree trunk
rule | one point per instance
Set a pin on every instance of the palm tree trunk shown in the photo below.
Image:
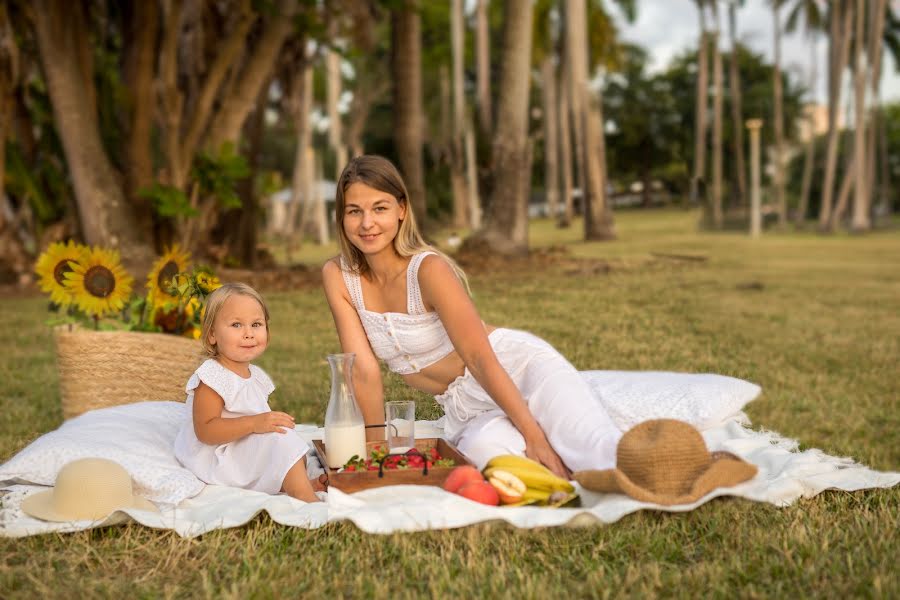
(301, 105)
(717, 126)
(409, 118)
(483, 66)
(876, 36)
(332, 97)
(841, 22)
(551, 139)
(860, 220)
(588, 118)
(780, 199)
(700, 116)
(809, 159)
(506, 230)
(737, 113)
(565, 143)
(104, 212)
(459, 183)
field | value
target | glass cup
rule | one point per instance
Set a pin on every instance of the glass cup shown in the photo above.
(400, 417)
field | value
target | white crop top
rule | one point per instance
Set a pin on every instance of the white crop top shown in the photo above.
(407, 342)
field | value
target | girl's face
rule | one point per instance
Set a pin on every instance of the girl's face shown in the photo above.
(371, 218)
(239, 331)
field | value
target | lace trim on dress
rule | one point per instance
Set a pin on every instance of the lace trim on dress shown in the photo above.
(354, 287)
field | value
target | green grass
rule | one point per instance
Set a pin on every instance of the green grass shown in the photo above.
(814, 320)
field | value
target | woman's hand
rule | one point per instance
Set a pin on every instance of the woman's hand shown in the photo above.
(272, 421)
(539, 449)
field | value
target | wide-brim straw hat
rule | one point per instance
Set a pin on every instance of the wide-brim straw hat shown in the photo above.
(665, 461)
(87, 489)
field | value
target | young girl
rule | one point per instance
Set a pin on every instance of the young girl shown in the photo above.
(232, 436)
(395, 298)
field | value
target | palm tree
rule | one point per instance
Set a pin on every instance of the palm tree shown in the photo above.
(778, 116)
(483, 66)
(840, 22)
(702, 99)
(812, 15)
(737, 113)
(717, 121)
(409, 119)
(506, 229)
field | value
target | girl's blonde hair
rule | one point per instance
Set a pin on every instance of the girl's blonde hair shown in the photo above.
(214, 304)
(379, 173)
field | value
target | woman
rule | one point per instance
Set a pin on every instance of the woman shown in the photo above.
(395, 298)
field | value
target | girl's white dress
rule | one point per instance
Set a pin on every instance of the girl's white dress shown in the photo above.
(258, 461)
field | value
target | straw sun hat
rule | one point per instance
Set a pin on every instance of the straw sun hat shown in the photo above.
(88, 489)
(665, 461)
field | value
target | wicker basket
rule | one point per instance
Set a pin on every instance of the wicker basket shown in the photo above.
(108, 368)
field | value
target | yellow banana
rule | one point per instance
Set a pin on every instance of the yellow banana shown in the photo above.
(535, 479)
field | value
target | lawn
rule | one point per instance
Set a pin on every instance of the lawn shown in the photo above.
(814, 320)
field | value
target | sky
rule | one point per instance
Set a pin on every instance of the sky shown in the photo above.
(668, 27)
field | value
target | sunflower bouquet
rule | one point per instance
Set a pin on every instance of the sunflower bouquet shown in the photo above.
(89, 285)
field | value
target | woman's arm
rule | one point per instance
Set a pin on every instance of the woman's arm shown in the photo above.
(367, 384)
(214, 429)
(442, 290)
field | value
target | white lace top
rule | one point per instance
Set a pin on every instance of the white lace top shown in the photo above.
(407, 342)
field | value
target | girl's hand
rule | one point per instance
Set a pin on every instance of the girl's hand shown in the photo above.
(539, 449)
(273, 421)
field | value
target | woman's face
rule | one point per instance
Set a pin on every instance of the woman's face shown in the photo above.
(371, 218)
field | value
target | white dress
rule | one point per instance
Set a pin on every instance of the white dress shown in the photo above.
(258, 461)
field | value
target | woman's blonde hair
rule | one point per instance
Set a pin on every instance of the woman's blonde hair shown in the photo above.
(214, 304)
(379, 173)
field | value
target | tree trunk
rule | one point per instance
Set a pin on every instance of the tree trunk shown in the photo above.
(506, 230)
(332, 97)
(876, 36)
(737, 112)
(841, 22)
(809, 159)
(231, 116)
(104, 212)
(565, 143)
(719, 86)
(142, 21)
(589, 118)
(301, 105)
(697, 183)
(483, 66)
(860, 220)
(409, 120)
(551, 139)
(780, 200)
(457, 132)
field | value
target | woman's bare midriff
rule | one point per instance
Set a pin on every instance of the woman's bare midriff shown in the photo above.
(434, 379)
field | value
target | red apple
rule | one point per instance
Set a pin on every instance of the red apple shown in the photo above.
(480, 491)
(461, 476)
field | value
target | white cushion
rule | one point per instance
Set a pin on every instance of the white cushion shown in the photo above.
(138, 436)
(704, 400)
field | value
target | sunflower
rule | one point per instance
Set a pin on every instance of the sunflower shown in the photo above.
(98, 283)
(52, 266)
(207, 282)
(159, 281)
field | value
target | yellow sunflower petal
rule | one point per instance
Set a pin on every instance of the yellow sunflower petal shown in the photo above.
(99, 283)
(172, 262)
(52, 266)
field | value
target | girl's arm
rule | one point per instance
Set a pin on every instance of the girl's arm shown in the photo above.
(443, 290)
(214, 429)
(367, 384)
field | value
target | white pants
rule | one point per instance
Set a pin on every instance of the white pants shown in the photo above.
(573, 419)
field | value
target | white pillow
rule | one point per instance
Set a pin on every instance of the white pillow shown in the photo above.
(702, 399)
(138, 436)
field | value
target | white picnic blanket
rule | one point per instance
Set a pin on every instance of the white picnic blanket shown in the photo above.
(784, 476)
(191, 509)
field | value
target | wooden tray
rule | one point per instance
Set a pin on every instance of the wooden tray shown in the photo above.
(354, 481)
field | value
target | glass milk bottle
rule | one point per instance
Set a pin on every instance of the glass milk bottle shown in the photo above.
(345, 430)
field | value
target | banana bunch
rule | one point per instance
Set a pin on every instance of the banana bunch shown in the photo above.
(522, 481)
